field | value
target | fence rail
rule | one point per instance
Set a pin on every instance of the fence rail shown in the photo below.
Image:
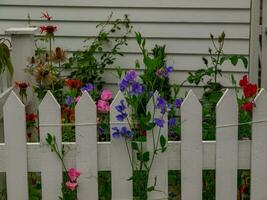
(190, 155)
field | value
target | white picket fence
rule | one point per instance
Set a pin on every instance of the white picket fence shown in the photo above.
(190, 155)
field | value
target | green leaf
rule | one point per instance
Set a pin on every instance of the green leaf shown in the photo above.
(234, 60)
(49, 139)
(245, 61)
(138, 37)
(146, 156)
(137, 64)
(163, 141)
(119, 71)
(135, 146)
(150, 189)
(222, 60)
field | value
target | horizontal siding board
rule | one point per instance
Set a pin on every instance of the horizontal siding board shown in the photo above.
(135, 15)
(110, 76)
(179, 63)
(136, 3)
(173, 46)
(155, 30)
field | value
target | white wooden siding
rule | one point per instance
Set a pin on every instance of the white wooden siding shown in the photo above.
(184, 26)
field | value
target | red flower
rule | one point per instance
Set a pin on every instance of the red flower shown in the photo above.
(48, 29)
(68, 114)
(247, 106)
(31, 117)
(244, 81)
(250, 90)
(72, 83)
(21, 85)
(46, 16)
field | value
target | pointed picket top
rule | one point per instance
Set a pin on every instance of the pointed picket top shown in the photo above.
(261, 98)
(51, 170)
(15, 146)
(85, 100)
(259, 148)
(160, 164)
(119, 96)
(86, 141)
(227, 99)
(191, 148)
(190, 99)
(121, 187)
(13, 100)
(50, 100)
(226, 146)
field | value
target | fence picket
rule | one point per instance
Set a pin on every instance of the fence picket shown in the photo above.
(159, 170)
(86, 140)
(226, 147)
(16, 151)
(120, 166)
(259, 149)
(49, 113)
(191, 148)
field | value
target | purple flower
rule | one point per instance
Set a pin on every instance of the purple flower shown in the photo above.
(161, 104)
(164, 72)
(123, 85)
(68, 100)
(178, 103)
(130, 76)
(150, 93)
(116, 133)
(169, 68)
(159, 122)
(88, 87)
(172, 122)
(101, 130)
(137, 89)
(124, 132)
(120, 117)
(121, 107)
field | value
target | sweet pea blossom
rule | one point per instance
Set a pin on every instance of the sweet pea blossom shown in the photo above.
(121, 109)
(87, 87)
(178, 103)
(159, 122)
(172, 122)
(161, 104)
(73, 174)
(72, 185)
(68, 100)
(106, 95)
(137, 89)
(164, 71)
(123, 132)
(102, 106)
(129, 78)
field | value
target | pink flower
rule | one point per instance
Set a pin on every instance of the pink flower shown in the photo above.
(72, 185)
(106, 95)
(102, 106)
(78, 98)
(73, 174)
